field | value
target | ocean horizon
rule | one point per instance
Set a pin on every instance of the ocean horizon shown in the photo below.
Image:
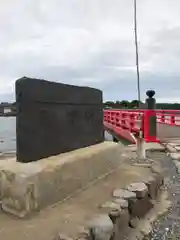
(7, 134)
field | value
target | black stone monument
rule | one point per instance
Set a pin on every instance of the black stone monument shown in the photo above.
(54, 118)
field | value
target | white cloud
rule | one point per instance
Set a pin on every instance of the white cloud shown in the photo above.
(91, 43)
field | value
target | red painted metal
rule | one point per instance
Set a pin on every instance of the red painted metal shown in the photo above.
(124, 123)
(146, 126)
(170, 117)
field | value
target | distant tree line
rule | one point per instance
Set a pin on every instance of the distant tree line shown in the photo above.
(124, 104)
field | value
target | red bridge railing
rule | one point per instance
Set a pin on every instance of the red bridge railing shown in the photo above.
(170, 117)
(127, 122)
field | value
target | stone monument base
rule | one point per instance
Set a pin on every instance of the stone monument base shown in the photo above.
(26, 188)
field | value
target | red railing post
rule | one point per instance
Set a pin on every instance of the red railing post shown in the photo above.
(172, 119)
(149, 126)
(149, 119)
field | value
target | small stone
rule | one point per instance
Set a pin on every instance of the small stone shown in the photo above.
(173, 144)
(146, 165)
(101, 227)
(175, 156)
(84, 234)
(171, 149)
(177, 148)
(156, 168)
(62, 237)
(122, 203)
(134, 222)
(114, 215)
(124, 194)
(139, 188)
(113, 210)
(111, 206)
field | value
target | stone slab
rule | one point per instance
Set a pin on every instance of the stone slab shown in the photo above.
(177, 148)
(27, 188)
(54, 118)
(171, 148)
(124, 194)
(175, 156)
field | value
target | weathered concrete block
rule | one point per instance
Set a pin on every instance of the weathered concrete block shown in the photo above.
(139, 188)
(54, 118)
(101, 227)
(19, 191)
(30, 187)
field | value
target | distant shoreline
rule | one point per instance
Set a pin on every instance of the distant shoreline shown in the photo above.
(7, 114)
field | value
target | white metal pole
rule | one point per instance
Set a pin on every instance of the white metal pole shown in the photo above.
(140, 150)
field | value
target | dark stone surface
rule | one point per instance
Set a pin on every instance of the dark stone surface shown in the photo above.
(140, 207)
(54, 118)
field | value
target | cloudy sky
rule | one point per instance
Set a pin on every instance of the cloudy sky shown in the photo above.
(91, 43)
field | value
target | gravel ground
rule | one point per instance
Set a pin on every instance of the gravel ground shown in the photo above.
(168, 225)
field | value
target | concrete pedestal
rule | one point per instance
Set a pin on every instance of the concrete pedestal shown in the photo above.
(29, 187)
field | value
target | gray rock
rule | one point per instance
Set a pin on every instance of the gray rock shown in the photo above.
(175, 156)
(110, 206)
(177, 148)
(140, 189)
(122, 203)
(124, 194)
(84, 234)
(113, 209)
(153, 185)
(134, 222)
(156, 168)
(60, 236)
(101, 227)
(174, 144)
(171, 149)
(122, 224)
(140, 207)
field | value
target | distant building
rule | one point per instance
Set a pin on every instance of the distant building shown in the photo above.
(5, 108)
